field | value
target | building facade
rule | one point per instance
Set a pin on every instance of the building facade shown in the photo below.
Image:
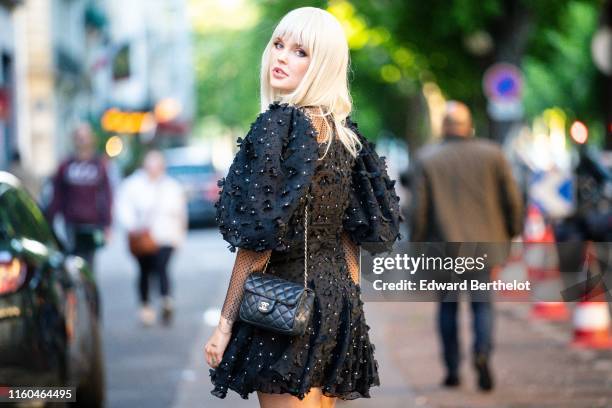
(152, 62)
(8, 121)
(66, 61)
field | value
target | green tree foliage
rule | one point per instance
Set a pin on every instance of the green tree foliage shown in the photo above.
(560, 72)
(550, 40)
(398, 45)
(227, 66)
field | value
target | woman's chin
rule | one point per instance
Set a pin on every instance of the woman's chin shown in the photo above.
(280, 86)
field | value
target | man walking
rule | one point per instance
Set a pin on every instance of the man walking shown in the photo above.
(464, 192)
(82, 195)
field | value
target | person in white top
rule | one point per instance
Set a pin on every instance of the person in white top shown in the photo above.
(151, 200)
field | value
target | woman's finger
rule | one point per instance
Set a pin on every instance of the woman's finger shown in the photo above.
(207, 355)
(218, 358)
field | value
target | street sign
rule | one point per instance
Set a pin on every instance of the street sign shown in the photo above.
(503, 82)
(502, 110)
(503, 85)
(553, 192)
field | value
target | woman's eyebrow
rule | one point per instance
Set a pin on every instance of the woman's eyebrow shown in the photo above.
(295, 45)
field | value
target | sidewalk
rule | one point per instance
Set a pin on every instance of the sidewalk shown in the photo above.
(533, 364)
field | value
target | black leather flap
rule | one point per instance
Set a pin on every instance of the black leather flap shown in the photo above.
(274, 288)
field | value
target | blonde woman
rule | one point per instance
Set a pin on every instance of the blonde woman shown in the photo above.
(303, 150)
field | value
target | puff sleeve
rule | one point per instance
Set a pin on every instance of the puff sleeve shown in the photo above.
(268, 177)
(372, 218)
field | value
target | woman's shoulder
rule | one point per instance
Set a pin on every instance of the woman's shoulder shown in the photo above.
(373, 214)
(313, 110)
(316, 114)
(269, 175)
(279, 110)
(286, 123)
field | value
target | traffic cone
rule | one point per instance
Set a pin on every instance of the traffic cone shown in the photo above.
(535, 226)
(543, 267)
(592, 315)
(553, 311)
(592, 325)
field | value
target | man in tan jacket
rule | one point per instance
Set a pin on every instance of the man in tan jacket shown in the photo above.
(464, 191)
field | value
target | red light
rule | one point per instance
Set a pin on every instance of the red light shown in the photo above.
(12, 275)
(579, 132)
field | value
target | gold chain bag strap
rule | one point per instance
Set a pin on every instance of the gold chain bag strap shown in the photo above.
(277, 304)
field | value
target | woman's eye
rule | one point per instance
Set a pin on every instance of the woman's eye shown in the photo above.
(301, 53)
(278, 45)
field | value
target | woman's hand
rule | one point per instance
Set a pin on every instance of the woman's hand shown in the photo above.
(216, 345)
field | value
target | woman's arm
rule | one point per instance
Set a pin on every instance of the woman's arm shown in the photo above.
(247, 261)
(351, 253)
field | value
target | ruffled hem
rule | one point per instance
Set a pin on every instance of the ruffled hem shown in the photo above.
(349, 372)
(221, 391)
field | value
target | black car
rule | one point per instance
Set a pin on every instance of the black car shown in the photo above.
(49, 311)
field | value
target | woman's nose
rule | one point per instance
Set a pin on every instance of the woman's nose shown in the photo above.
(282, 56)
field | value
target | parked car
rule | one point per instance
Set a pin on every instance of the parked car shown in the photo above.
(49, 309)
(191, 167)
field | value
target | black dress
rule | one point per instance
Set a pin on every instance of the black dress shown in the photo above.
(274, 175)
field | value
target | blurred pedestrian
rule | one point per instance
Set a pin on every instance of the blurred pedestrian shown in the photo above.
(587, 228)
(465, 192)
(152, 207)
(82, 195)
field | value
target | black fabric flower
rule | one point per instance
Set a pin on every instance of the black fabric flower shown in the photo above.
(373, 216)
(269, 176)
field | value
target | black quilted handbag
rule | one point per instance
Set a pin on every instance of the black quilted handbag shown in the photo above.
(277, 304)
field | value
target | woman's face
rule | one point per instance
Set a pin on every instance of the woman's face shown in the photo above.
(288, 64)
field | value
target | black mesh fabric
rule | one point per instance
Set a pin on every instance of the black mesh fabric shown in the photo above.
(247, 261)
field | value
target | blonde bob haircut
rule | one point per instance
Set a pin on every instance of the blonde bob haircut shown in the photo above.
(325, 82)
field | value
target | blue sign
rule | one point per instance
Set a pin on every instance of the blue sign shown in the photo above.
(503, 82)
(553, 192)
